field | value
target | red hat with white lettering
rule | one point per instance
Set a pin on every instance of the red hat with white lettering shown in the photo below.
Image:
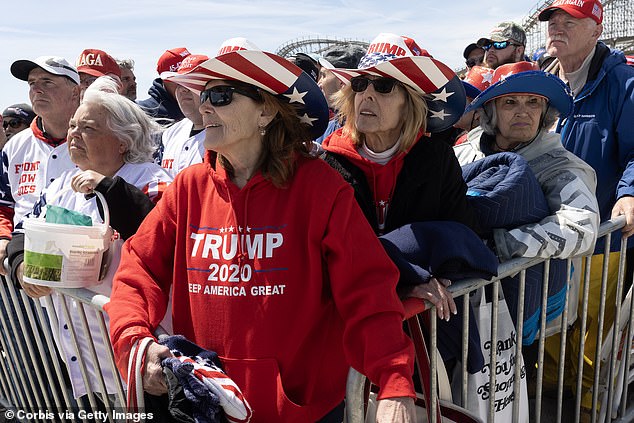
(171, 59)
(188, 63)
(579, 9)
(97, 63)
(400, 58)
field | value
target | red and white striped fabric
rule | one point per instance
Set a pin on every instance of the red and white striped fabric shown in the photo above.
(232, 401)
(269, 72)
(630, 60)
(135, 398)
(264, 70)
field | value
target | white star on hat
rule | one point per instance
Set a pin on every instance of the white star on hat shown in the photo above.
(443, 95)
(487, 77)
(307, 119)
(439, 114)
(296, 96)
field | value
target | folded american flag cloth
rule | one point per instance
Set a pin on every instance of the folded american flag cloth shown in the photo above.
(209, 390)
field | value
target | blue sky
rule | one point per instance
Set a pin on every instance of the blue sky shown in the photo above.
(144, 29)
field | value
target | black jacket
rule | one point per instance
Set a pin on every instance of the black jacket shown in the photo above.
(429, 187)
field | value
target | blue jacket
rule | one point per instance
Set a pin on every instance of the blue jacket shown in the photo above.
(601, 129)
(161, 104)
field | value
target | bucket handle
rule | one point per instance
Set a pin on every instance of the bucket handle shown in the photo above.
(100, 197)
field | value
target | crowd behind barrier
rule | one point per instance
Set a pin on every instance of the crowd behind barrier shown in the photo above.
(613, 375)
(34, 387)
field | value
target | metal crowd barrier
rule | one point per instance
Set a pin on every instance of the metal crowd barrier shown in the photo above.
(34, 382)
(613, 372)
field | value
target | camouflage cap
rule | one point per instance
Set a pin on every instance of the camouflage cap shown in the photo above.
(505, 31)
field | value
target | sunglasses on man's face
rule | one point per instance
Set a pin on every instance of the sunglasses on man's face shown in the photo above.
(381, 85)
(222, 95)
(12, 123)
(499, 45)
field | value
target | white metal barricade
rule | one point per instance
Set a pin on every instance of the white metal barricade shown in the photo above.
(613, 371)
(34, 381)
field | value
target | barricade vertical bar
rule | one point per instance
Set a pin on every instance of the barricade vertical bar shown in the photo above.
(542, 337)
(51, 345)
(433, 364)
(616, 333)
(518, 345)
(4, 378)
(15, 297)
(104, 333)
(465, 347)
(597, 352)
(7, 346)
(26, 398)
(582, 330)
(628, 351)
(562, 345)
(93, 357)
(41, 349)
(82, 367)
(492, 353)
(354, 409)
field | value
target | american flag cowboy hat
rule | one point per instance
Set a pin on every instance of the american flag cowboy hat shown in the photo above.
(269, 72)
(397, 57)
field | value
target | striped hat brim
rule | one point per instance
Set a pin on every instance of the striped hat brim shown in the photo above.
(269, 72)
(439, 85)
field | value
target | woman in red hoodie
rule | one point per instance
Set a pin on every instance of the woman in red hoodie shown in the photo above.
(287, 283)
(396, 98)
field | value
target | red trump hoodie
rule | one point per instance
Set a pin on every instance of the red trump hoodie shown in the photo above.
(290, 286)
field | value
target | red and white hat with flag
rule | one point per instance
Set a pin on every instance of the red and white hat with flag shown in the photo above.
(268, 72)
(400, 58)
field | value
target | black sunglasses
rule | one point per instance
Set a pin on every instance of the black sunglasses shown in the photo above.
(15, 123)
(499, 45)
(473, 62)
(222, 95)
(381, 85)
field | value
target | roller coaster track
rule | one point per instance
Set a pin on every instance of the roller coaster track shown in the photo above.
(314, 45)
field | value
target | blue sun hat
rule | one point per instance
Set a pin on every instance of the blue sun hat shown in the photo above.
(400, 58)
(524, 78)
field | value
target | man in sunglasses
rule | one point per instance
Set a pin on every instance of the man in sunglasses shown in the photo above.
(15, 118)
(505, 44)
(473, 55)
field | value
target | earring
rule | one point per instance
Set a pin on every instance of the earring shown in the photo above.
(262, 129)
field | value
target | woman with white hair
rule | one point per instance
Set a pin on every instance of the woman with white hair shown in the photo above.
(110, 141)
(516, 113)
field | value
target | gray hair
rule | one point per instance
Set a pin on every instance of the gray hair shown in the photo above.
(129, 124)
(489, 117)
(126, 63)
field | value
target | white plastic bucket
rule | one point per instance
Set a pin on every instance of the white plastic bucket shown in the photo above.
(65, 256)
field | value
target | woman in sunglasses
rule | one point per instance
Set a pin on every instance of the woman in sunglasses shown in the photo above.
(256, 246)
(399, 173)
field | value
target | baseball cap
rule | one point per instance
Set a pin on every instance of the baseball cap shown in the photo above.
(236, 44)
(579, 9)
(467, 51)
(52, 64)
(342, 56)
(97, 63)
(306, 63)
(505, 31)
(171, 59)
(188, 64)
(20, 111)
